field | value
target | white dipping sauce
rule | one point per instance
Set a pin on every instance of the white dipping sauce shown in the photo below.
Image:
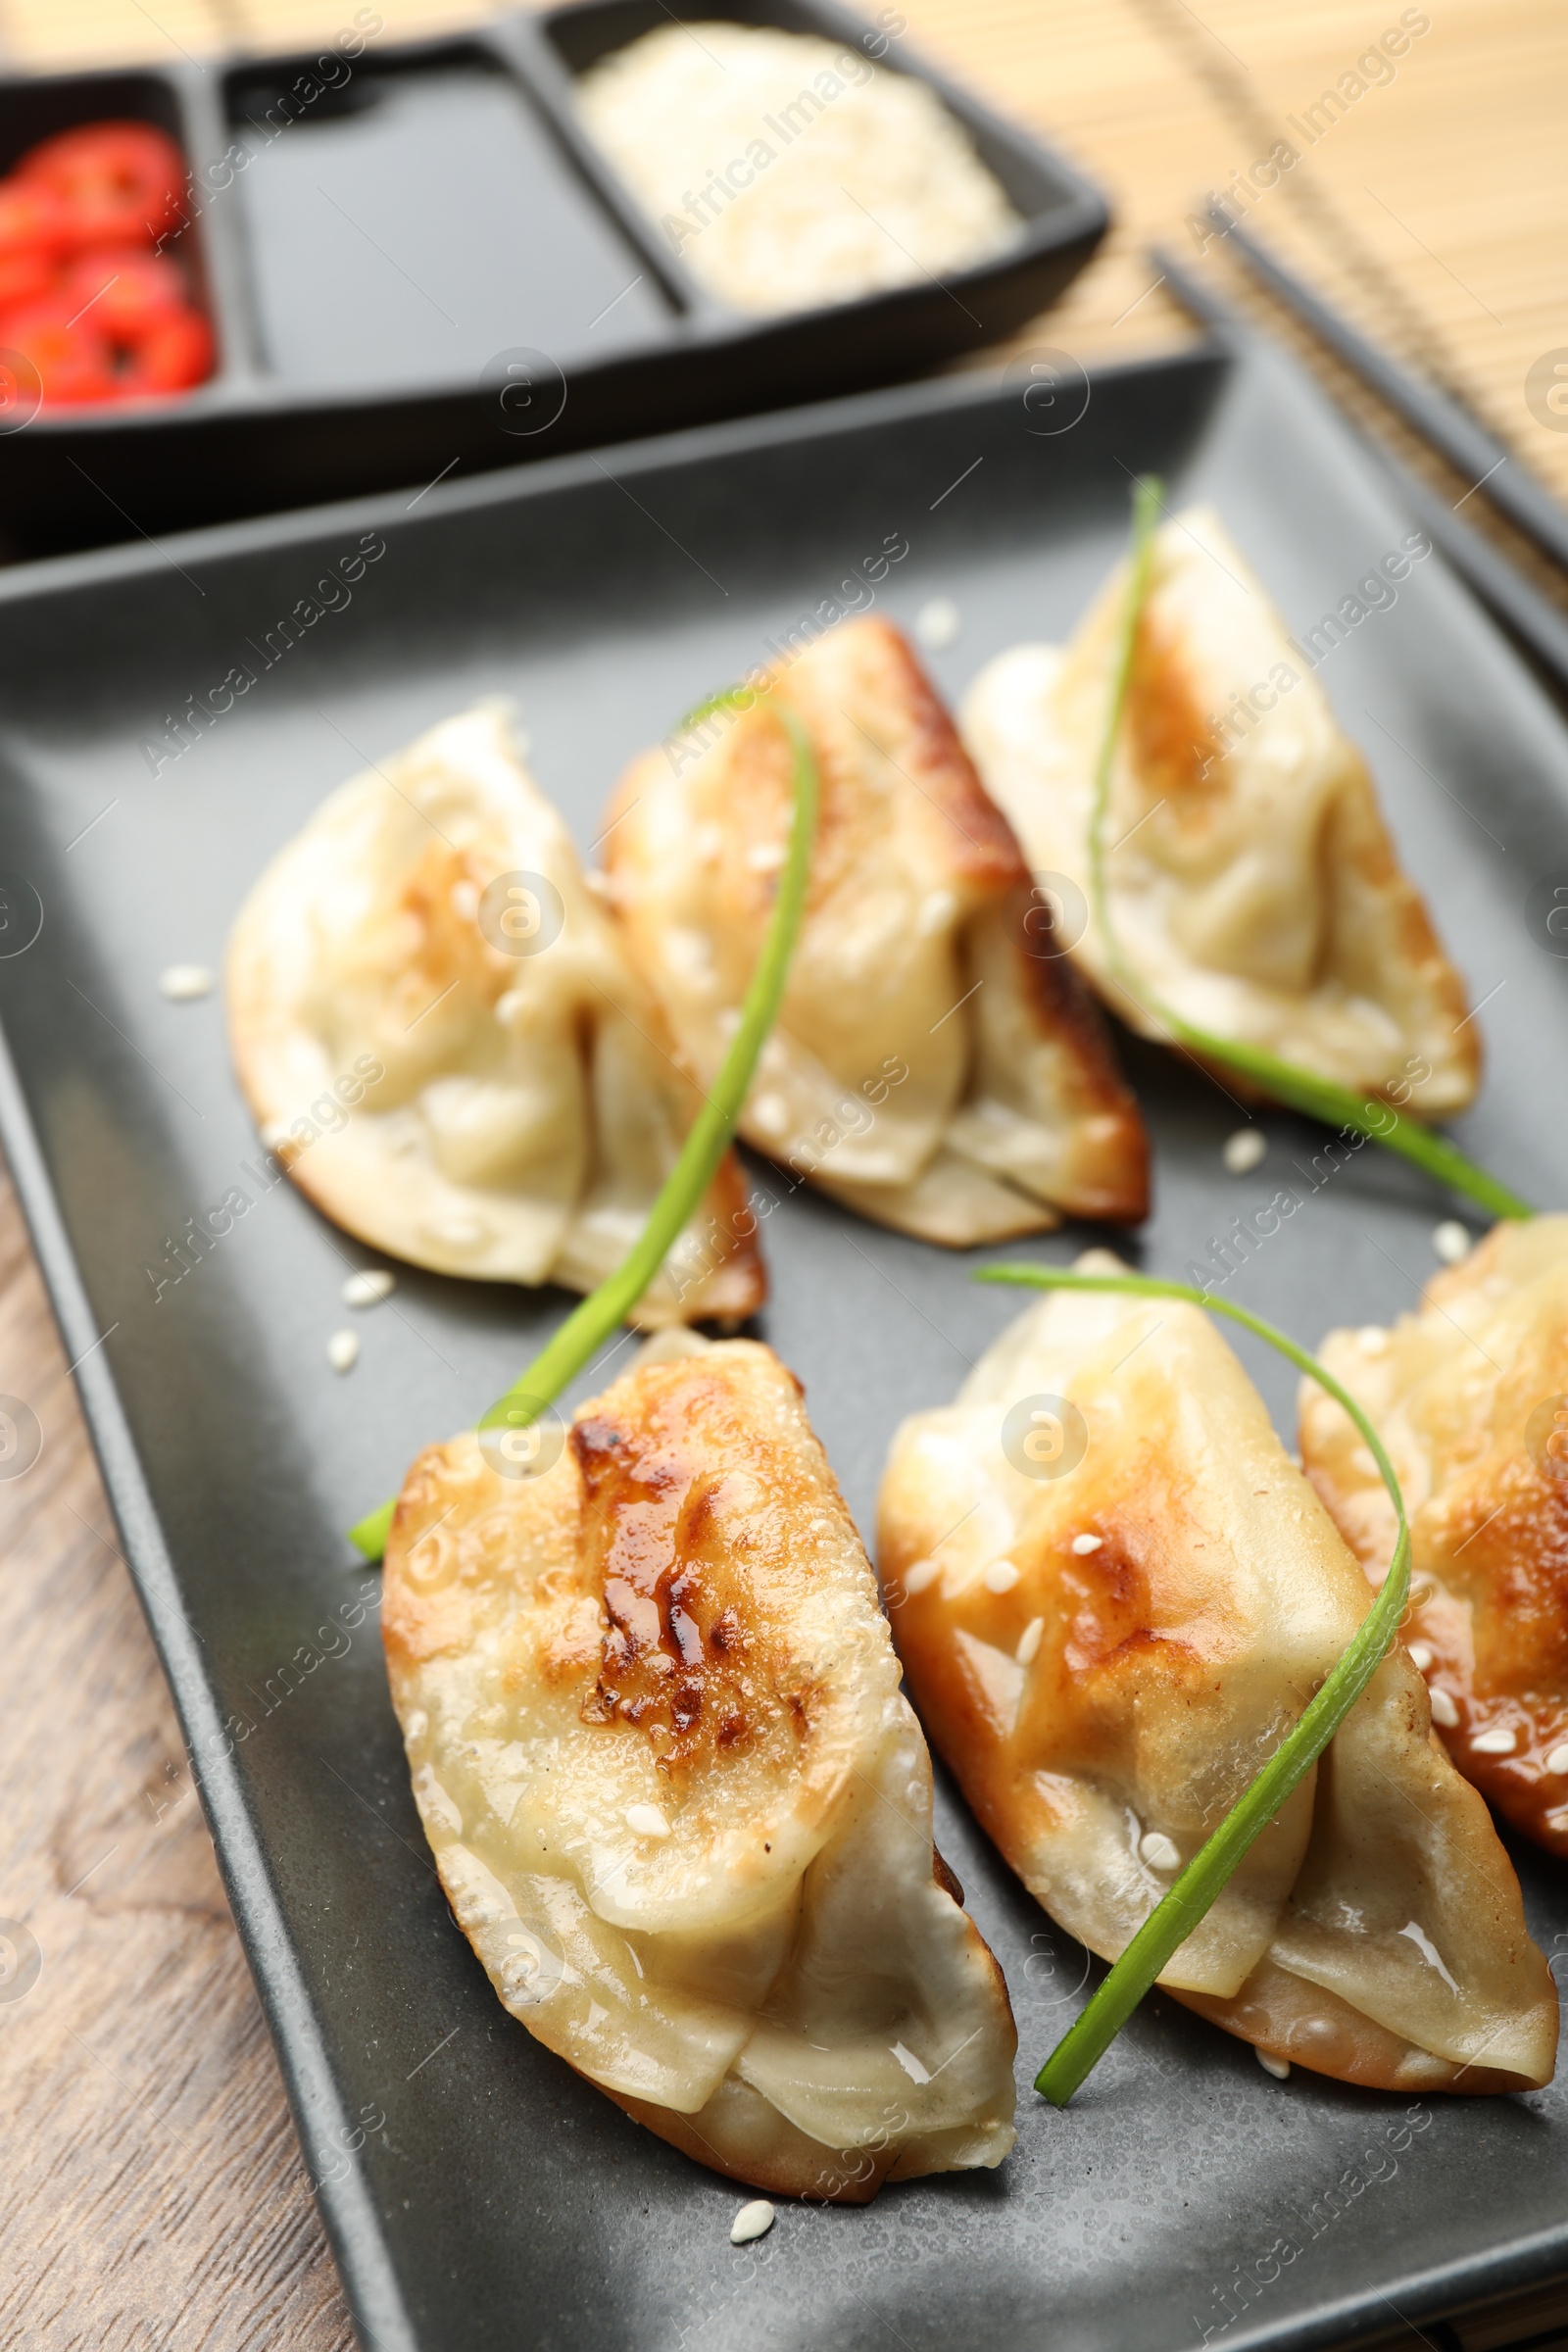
(788, 172)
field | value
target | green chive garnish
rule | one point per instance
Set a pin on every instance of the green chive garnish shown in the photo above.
(1179, 1911)
(589, 1325)
(1303, 1090)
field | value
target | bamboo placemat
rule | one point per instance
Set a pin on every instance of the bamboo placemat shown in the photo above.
(156, 2195)
(1430, 197)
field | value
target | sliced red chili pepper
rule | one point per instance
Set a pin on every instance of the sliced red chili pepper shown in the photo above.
(25, 275)
(169, 352)
(120, 289)
(72, 360)
(123, 182)
(35, 216)
(35, 230)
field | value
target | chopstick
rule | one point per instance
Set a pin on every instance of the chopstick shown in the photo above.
(1490, 573)
(1486, 463)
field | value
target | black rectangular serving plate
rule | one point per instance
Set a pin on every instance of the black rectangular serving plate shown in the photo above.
(417, 265)
(497, 2200)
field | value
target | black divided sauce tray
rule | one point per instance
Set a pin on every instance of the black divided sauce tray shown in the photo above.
(418, 264)
(478, 2194)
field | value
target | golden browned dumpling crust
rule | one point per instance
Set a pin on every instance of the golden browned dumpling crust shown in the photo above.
(677, 1800)
(443, 1040)
(1470, 1397)
(1107, 1636)
(1254, 888)
(938, 1064)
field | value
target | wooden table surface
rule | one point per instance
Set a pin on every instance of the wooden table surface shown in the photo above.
(156, 2195)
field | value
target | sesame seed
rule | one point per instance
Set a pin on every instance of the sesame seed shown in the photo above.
(184, 983)
(1557, 1761)
(1245, 1151)
(343, 1350)
(368, 1287)
(753, 2220)
(647, 1821)
(1444, 1711)
(1159, 1851)
(1450, 1241)
(1499, 1741)
(1421, 1657)
(1000, 1577)
(1083, 1545)
(923, 1573)
(1029, 1643)
(937, 624)
(1279, 2068)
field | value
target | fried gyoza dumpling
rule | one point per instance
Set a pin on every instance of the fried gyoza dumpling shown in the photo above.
(676, 1798)
(1113, 1593)
(1254, 886)
(440, 1035)
(1470, 1397)
(937, 1064)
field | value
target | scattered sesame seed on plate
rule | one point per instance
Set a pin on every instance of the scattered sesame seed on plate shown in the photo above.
(1450, 1241)
(753, 2220)
(184, 983)
(1247, 1149)
(343, 1350)
(937, 624)
(368, 1287)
